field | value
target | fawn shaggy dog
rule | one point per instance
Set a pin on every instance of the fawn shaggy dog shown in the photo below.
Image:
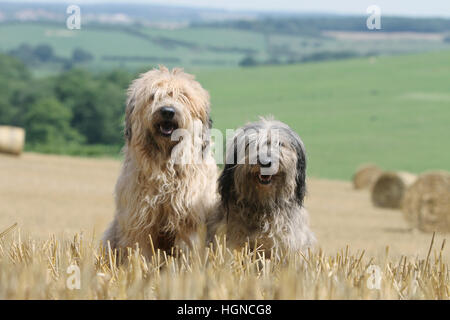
(262, 200)
(165, 189)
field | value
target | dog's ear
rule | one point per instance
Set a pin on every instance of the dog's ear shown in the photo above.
(226, 179)
(210, 122)
(128, 111)
(300, 190)
(226, 184)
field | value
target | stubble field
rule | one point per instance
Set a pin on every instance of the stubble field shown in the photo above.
(63, 204)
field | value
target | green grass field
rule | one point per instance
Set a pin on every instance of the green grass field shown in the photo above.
(117, 41)
(199, 47)
(394, 111)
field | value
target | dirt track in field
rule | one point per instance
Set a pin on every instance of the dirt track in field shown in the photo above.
(63, 195)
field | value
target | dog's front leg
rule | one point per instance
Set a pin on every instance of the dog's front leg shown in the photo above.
(191, 240)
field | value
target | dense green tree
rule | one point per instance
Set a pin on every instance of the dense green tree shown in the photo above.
(39, 55)
(27, 94)
(13, 69)
(25, 53)
(79, 56)
(48, 122)
(119, 77)
(76, 106)
(109, 109)
(13, 78)
(248, 62)
(44, 52)
(97, 104)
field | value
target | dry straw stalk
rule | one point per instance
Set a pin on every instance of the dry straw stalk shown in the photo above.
(31, 269)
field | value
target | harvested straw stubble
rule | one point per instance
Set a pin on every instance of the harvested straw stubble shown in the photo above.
(12, 140)
(8, 230)
(426, 204)
(365, 176)
(389, 189)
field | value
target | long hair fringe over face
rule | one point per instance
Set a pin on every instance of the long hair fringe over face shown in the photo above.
(243, 180)
(148, 129)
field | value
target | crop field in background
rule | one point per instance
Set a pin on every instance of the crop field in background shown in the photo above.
(63, 204)
(134, 47)
(394, 111)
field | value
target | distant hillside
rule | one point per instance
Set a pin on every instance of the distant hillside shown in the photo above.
(49, 47)
(117, 12)
(171, 16)
(315, 25)
(135, 36)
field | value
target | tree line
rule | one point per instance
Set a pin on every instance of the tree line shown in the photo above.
(43, 53)
(315, 25)
(75, 107)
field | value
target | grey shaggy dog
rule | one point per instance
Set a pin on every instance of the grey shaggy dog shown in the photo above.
(259, 207)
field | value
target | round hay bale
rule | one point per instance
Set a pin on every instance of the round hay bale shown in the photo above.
(12, 140)
(389, 189)
(426, 204)
(365, 176)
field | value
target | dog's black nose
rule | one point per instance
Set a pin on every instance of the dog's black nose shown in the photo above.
(167, 112)
(265, 163)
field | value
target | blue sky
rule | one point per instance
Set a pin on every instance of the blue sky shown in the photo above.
(388, 7)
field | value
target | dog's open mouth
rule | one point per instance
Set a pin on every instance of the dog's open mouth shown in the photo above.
(166, 128)
(264, 179)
